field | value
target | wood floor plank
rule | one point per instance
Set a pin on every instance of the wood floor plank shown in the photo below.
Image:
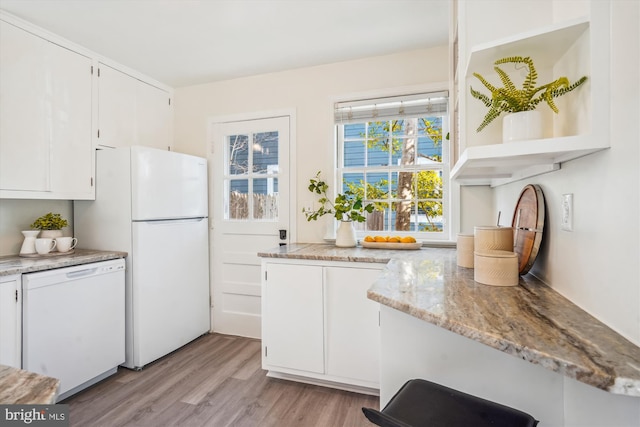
(215, 381)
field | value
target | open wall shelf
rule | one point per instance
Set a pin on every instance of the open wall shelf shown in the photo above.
(499, 164)
(493, 163)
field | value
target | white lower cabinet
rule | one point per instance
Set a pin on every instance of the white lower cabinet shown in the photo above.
(318, 325)
(352, 324)
(293, 318)
(10, 321)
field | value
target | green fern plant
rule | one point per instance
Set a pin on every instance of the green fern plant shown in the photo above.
(509, 99)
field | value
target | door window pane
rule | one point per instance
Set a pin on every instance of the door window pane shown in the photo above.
(238, 206)
(255, 156)
(265, 199)
(238, 151)
(265, 152)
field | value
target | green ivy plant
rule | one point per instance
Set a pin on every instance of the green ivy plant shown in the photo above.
(348, 206)
(49, 221)
(509, 99)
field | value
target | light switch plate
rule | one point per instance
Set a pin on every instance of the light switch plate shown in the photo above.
(567, 212)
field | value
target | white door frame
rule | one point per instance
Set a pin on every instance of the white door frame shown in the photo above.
(216, 120)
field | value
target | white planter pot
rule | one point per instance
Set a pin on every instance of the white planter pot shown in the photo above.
(522, 126)
(346, 235)
(52, 234)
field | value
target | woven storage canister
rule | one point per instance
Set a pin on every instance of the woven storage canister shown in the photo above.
(496, 268)
(493, 238)
(464, 250)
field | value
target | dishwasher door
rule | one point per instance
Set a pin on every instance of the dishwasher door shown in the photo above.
(74, 323)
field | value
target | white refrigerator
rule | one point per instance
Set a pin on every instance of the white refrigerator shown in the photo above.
(153, 205)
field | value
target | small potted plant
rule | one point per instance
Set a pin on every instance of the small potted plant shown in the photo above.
(520, 102)
(346, 208)
(50, 225)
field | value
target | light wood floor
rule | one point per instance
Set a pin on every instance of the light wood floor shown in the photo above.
(214, 381)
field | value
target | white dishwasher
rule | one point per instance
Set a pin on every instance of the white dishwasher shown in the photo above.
(73, 323)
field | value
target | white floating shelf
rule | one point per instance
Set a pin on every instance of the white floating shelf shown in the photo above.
(499, 164)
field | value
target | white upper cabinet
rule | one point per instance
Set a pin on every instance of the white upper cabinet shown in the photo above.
(45, 118)
(153, 116)
(58, 103)
(116, 108)
(132, 112)
(561, 41)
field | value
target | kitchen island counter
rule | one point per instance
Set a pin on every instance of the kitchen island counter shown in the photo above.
(530, 321)
(19, 387)
(15, 264)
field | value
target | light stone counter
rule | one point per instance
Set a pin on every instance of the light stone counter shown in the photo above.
(19, 387)
(530, 321)
(15, 264)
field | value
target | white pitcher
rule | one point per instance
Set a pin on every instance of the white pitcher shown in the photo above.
(29, 243)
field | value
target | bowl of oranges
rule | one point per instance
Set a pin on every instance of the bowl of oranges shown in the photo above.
(390, 242)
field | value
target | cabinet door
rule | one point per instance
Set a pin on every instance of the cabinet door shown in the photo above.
(45, 118)
(24, 115)
(116, 108)
(132, 112)
(10, 321)
(353, 332)
(71, 169)
(292, 329)
(153, 114)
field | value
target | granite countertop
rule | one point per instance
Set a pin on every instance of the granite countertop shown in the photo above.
(18, 387)
(326, 252)
(530, 321)
(15, 264)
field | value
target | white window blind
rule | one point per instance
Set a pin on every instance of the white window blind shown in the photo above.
(390, 108)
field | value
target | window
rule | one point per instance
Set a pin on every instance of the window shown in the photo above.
(394, 152)
(251, 181)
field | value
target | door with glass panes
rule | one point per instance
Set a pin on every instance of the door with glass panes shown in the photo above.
(250, 209)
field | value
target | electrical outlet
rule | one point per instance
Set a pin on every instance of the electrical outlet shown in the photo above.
(567, 212)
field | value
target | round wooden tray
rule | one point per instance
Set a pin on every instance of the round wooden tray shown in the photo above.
(528, 226)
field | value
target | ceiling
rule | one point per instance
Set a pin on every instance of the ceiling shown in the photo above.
(186, 42)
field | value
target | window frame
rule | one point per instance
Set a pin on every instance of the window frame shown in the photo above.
(448, 189)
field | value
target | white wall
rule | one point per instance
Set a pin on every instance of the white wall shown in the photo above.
(17, 215)
(597, 265)
(310, 91)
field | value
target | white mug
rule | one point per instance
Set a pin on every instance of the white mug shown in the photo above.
(45, 245)
(65, 244)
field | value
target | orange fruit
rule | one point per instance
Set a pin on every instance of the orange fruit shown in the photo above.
(380, 239)
(394, 239)
(369, 239)
(408, 239)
